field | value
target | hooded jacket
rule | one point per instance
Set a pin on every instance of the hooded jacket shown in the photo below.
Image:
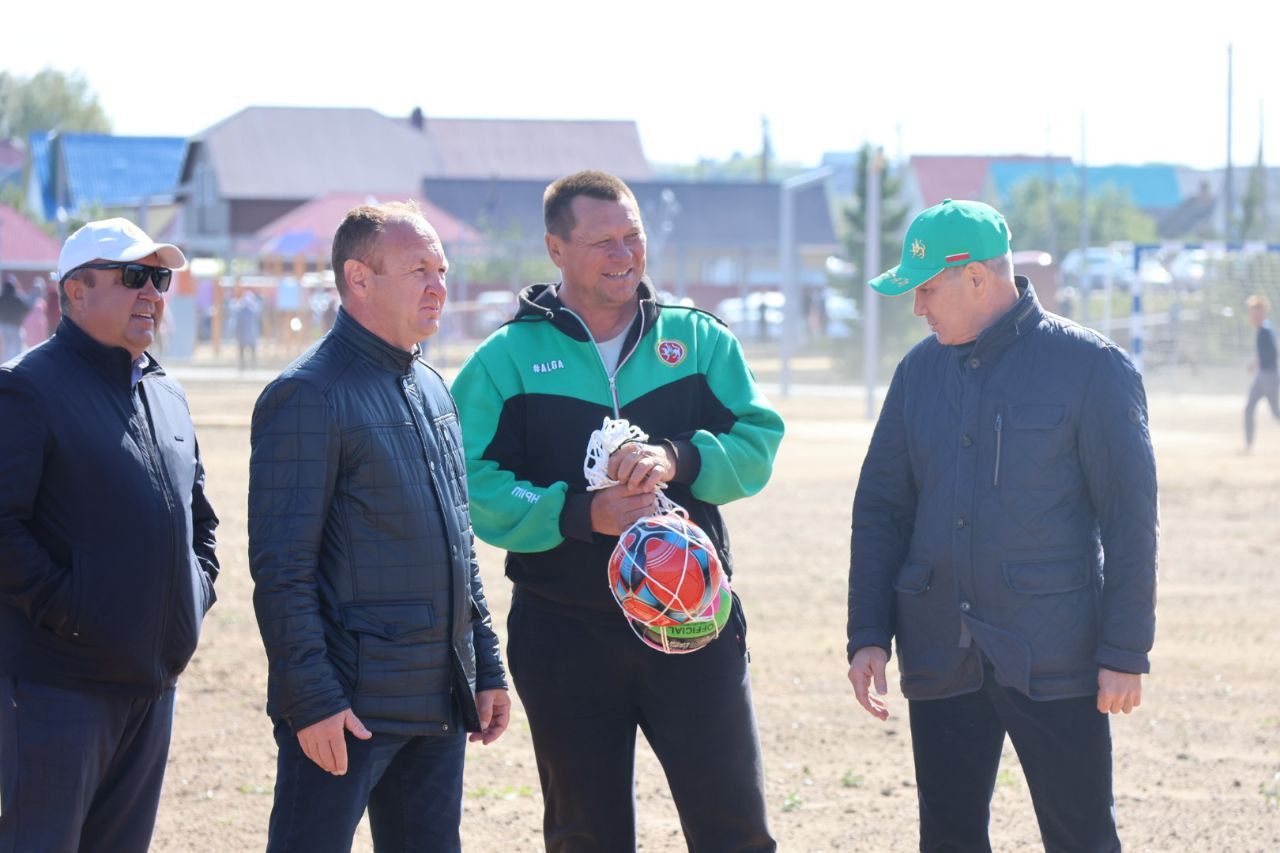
(534, 391)
(366, 585)
(106, 536)
(1007, 506)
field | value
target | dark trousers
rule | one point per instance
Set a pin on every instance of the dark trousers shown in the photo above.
(412, 786)
(1265, 386)
(79, 771)
(1064, 746)
(587, 687)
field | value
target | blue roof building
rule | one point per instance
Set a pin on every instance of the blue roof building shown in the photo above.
(74, 171)
(1153, 188)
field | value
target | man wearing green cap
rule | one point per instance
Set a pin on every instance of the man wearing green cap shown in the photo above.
(1004, 539)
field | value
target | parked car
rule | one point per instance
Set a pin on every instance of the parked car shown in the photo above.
(841, 313)
(1089, 271)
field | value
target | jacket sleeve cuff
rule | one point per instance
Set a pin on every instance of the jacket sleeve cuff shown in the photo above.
(575, 517)
(688, 460)
(495, 681)
(1119, 660)
(309, 716)
(868, 637)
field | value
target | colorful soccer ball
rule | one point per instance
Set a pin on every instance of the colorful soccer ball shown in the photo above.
(692, 635)
(664, 571)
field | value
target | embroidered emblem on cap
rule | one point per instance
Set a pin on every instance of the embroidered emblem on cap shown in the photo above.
(917, 249)
(671, 352)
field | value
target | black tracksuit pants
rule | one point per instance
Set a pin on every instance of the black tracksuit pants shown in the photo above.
(588, 684)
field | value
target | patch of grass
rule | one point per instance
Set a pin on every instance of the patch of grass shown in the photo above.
(254, 789)
(850, 780)
(1271, 792)
(1007, 779)
(792, 802)
(505, 792)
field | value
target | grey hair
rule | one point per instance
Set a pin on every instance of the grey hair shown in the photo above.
(1001, 266)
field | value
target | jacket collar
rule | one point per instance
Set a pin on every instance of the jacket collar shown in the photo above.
(542, 302)
(114, 363)
(1021, 319)
(375, 349)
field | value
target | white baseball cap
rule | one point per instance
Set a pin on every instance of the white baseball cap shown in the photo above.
(114, 240)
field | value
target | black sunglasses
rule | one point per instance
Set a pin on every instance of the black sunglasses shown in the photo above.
(134, 276)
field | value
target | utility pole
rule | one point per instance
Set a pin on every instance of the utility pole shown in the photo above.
(1083, 282)
(870, 268)
(787, 262)
(1228, 191)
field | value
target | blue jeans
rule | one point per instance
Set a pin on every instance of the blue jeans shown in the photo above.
(79, 771)
(1064, 746)
(412, 786)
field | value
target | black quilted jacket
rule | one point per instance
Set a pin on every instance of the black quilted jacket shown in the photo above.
(1008, 504)
(367, 590)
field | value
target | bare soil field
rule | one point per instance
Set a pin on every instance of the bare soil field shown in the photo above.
(1197, 766)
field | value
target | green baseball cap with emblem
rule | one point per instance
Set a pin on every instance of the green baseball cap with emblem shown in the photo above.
(949, 234)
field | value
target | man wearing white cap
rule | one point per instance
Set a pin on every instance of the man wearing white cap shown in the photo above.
(106, 555)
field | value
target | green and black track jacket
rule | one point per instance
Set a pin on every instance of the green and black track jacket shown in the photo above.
(533, 392)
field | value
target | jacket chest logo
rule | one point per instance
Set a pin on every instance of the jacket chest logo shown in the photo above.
(548, 366)
(672, 352)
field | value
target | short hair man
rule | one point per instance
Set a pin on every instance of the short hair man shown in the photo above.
(599, 345)
(106, 555)
(366, 586)
(1266, 377)
(1004, 535)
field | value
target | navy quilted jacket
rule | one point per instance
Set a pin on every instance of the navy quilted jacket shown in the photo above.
(1007, 505)
(366, 585)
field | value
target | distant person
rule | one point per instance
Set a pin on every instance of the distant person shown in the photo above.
(35, 328)
(107, 557)
(1266, 378)
(1004, 542)
(13, 310)
(366, 587)
(246, 314)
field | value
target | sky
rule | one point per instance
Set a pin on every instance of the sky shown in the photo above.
(1146, 80)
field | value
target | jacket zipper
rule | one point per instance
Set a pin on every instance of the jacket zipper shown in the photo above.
(157, 468)
(995, 479)
(611, 377)
(428, 437)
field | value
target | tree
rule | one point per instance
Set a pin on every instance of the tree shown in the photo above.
(893, 217)
(1253, 207)
(1113, 216)
(51, 100)
(898, 326)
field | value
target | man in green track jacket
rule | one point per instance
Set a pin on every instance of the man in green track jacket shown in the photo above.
(598, 345)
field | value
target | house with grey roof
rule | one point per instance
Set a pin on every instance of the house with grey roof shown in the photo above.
(255, 166)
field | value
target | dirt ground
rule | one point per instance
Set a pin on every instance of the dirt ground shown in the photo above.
(1196, 768)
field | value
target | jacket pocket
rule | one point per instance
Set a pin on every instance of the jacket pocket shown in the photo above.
(393, 621)
(399, 655)
(924, 635)
(1047, 577)
(913, 578)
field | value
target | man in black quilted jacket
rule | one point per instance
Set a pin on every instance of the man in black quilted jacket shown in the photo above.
(1004, 540)
(366, 586)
